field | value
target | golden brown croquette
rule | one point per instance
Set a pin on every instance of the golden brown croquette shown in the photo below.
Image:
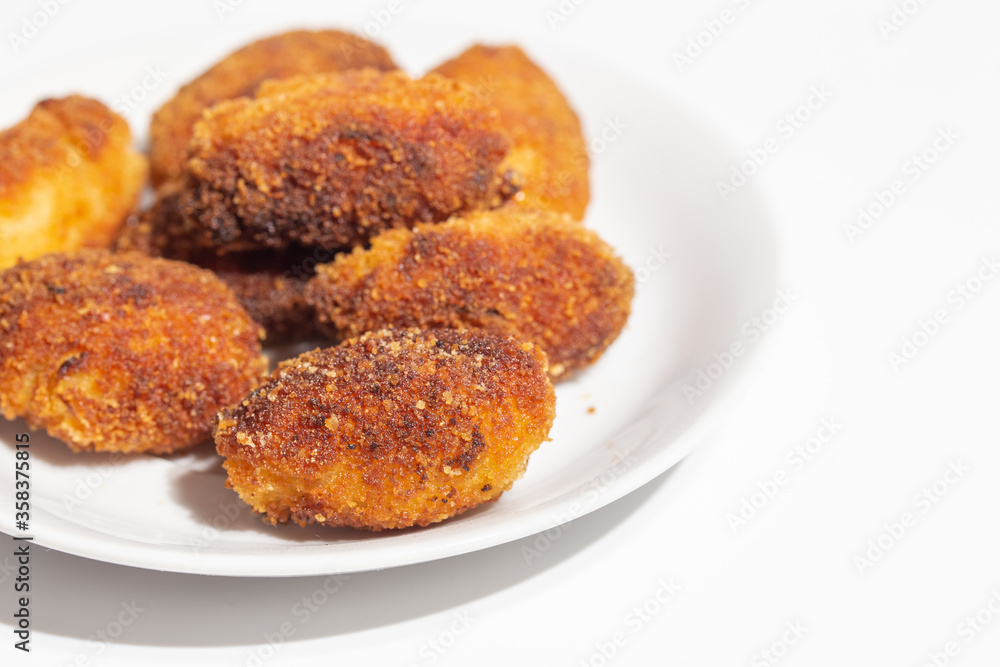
(331, 160)
(548, 151)
(122, 353)
(68, 178)
(240, 73)
(158, 231)
(546, 279)
(270, 284)
(393, 429)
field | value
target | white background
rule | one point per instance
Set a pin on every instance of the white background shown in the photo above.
(797, 560)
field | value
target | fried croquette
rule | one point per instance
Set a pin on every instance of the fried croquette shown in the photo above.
(546, 279)
(270, 290)
(239, 75)
(331, 160)
(160, 230)
(122, 353)
(270, 284)
(548, 151)
(68, 178)
(393, 429)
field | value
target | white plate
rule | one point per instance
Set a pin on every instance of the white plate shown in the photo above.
(654, 169)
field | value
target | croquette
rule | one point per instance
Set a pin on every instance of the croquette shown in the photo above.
(68, 178)
(545, 278)
(394, 429)
(270, 284)
(160, 230)
(331, 160)
(548, 151)
(239, 75)
(122, 353)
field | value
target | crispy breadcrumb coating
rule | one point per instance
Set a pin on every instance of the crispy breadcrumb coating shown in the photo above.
(68, 178)
(160, 230)
(548, 151)
(546, 279)
(270, 284)
(331, 160)
(123, 352)
(239, 75)
(393, 429)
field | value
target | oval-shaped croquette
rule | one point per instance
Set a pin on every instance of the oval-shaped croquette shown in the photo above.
(331, 160)
(239, 74)
(544, 278)
(393, 429)
(270, 284)
(124, 352)
(548, 151)
(69, 176)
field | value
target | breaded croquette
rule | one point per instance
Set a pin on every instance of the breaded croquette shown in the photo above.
(122, 353)
(331, 160)
(270, 284)
(546, 279)
(548, 151)
(394, 429)
(239, 74)
(160, 230)
(68, 178)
